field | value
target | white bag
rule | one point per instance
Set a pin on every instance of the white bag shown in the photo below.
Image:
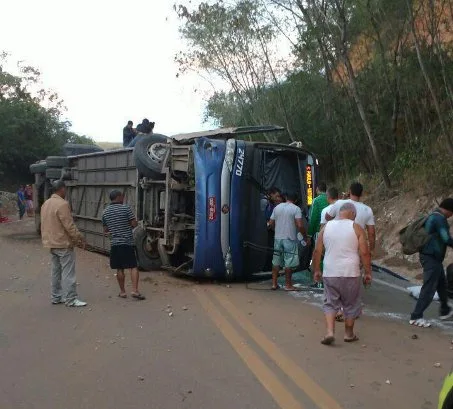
(415, 292)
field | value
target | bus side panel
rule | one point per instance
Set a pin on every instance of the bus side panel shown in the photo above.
(238, 210)
(208, 257)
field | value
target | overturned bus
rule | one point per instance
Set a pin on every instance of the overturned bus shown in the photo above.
(198, 197)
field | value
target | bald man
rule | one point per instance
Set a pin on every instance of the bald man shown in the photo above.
(345, 245)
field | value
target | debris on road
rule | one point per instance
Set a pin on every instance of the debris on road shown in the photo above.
(185, 308)
(170, 314)
(388, 382)
(437, 365)
(141, 378)
(415, 336)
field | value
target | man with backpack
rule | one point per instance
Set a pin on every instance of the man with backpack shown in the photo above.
(434, 241)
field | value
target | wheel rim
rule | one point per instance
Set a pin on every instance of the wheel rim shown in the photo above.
(149, 246)
(157, 151)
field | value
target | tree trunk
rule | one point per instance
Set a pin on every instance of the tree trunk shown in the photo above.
(365, 122)
(428, 81)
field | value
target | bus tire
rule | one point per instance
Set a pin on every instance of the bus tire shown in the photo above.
(53, 173)
(73, 149)
(149, 155)
(39, 167)
(146, 261)
(57, 161)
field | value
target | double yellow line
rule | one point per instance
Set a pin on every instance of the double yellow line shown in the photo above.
(280, 393)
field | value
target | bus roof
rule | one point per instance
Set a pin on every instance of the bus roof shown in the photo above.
(223, 133)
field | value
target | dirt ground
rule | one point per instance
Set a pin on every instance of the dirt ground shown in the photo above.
(194, 345)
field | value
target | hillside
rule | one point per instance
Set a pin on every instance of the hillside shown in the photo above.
(393, 211)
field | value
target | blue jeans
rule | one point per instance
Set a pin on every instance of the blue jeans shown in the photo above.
(433, 280)
(22, 209)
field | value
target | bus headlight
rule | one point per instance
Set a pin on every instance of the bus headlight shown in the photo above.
(229, 154)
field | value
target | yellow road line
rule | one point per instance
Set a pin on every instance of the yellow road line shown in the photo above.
(268, 379)
(317, 394)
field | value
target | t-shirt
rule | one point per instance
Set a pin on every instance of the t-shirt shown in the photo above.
(20, 197)
(323, 214)
(117, 218)
(284, 216)
(319, 204)
(340, 241)
(439, 230)
(28, 194)
(364, 215)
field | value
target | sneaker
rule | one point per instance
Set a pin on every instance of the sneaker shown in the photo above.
(420, 322)
(446, 316)
(56, 302)
(76, 303)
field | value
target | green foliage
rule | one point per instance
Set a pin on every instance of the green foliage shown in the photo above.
(30, 125)
(406, 92)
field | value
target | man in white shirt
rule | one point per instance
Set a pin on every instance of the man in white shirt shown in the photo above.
(345, 247)
(364, 217)
(332, 198)
(286, 219)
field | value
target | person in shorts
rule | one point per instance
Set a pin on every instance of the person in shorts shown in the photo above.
(345, 245)
(286, 220)
(119, 221)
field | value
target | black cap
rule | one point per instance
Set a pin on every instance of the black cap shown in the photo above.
(447, 204)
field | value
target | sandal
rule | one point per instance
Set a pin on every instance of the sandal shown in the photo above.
(138, 296)
(353, 339)
(122, 295)
(275, 288)
(328, 340)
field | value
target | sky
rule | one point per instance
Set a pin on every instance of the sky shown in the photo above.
(110, 61)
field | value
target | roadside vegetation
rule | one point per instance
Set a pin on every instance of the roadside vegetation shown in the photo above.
(31, 124)
(366, 84)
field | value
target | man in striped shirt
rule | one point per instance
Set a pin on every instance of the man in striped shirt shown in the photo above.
(119, 220)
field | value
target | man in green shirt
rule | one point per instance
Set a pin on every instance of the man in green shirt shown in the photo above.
(317, 207)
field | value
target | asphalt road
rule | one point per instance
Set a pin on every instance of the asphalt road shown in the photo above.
(199, 346)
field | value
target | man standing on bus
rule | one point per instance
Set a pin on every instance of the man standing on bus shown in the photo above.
(128, 133)
(286, 220)
(119, 220)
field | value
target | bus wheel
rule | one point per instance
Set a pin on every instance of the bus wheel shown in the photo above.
(150, 152)
(147, 253)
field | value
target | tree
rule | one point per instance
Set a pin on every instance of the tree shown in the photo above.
(368, 86)
(30, 125)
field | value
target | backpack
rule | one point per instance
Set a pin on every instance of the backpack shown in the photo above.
(414, 236)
